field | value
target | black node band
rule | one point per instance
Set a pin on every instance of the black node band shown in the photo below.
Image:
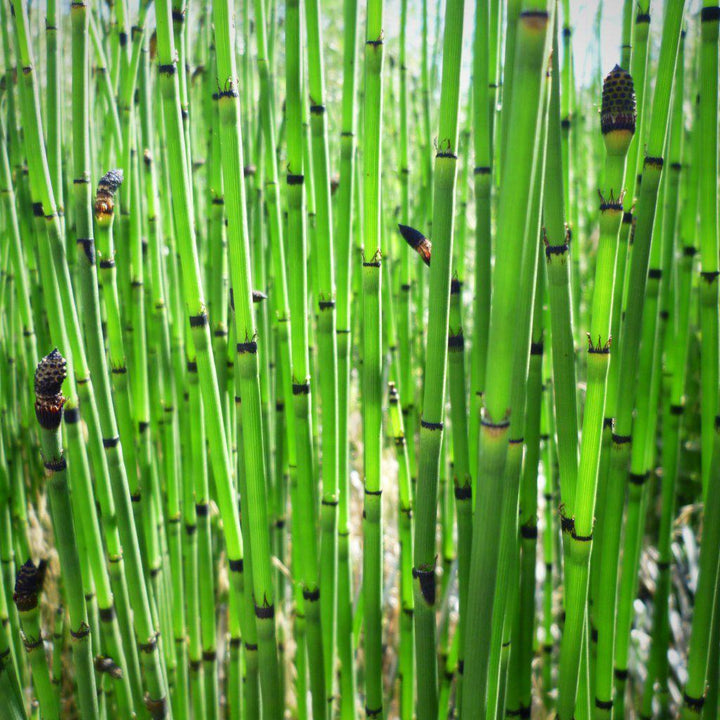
(317, 109)
(638, 478)
(56, 464)
(655, 273)
(377, 712)
(456, 342)
(295, 179)
(463, 492)
(247, 347)
(106, 264)
(621, 675)
(311, 595)
(708, 14)
(202, 509)
(265, 612)
(107, 614)
(166, 69)
(621, 439)
(529, 532)
(72, 415)
(198, 320)
(111, 442)
(431, 425)
(603, 704)
(373, 492)
(301, 388)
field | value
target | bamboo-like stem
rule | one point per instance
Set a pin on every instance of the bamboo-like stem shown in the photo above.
(495, 424)
(343, 248)
(618, 127)
(372, 360)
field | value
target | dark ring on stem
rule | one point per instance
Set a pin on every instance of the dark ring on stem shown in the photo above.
(689, 251)
(106, 264)
(264, 612)
(565, 124)
(111, 442)
(191, 366)
(38, 206)
(174, 520)
(136, 283)
(373, 492)
(529, 532)
(463, 492)
(524, 711)
(199, 320)
(547, 647)
(82, 632)
(372, 264)
(594, 634)
(607, 423)
(482, 170)
(695, 704)
(231, 93)
(556, 249)
(709, 276)
(32, 644)
(154, 572)
(317, 109)
(621, 439)
(150, 645)
(663, 565)
(252, 647)
(455, 286)
(88, 245)
(456, 342)
(495, 426)
(426, 578)
(638, 478)
(295, 179)
(516, 441)
(218, 201)
(581, 538)
(311, 595)
(343, 331)
(247, 347)
(373, 713)
(603, 704)
(664, 315)
(143, 426)
(190, 529)
(512, 713)
(209, 656)
(119, 370)
(548, 568)
(72, 415)
(621, 674)
(642, 18)
(56, 464)
(279, 406)
(301, 388)
(202, 509)
(157, 708)
(537, 348)
(655, 273)
(81, 180)
(708, 14)
(611, 206)
(167, 69)
(345, 133)
(135, 497)
(676, 166)
(330, 503)
(656, 162)
(431, 425)
(446, 154)
(168, 409)
(178, 15)
(326, 304)
(107, 614)
(235, 642)
(627, 218)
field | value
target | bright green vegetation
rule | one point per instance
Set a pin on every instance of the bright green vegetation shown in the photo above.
(353, 365)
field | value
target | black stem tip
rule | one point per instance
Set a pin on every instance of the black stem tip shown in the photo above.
(417, 241)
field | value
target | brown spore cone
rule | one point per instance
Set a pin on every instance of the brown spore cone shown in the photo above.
(49, 400)
(618, 110)
(28, 584)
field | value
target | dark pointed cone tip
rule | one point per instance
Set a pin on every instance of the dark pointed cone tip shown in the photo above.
(28, 584)
(618, 102)
(111, 181)
(50, 374)
(412, 236)
(417, 241)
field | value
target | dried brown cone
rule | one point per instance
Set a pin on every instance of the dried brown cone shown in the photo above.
(107, 665)
(49, 377)
(618, 111)
(28, 585)
(105, 196)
